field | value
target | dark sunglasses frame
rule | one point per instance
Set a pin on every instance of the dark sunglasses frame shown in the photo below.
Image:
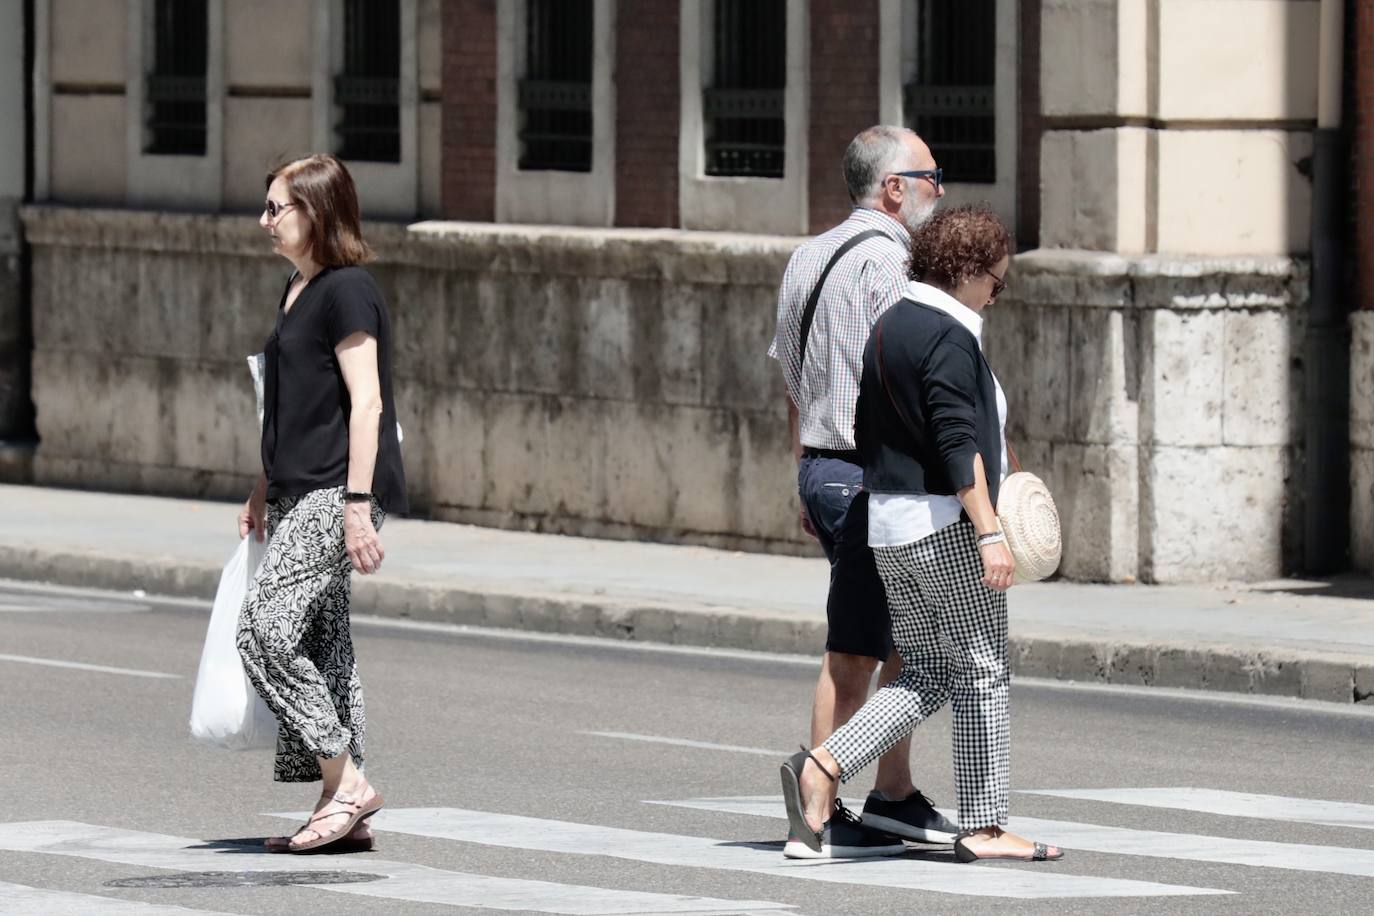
(936, 175)
(999, 286)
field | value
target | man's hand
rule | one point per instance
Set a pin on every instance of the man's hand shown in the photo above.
(361, 542)
(806, 522)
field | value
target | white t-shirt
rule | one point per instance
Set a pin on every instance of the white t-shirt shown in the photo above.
(895, 519)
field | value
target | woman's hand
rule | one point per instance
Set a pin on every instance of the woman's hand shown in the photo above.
(998, 566)
(360, 538)
(253, 515)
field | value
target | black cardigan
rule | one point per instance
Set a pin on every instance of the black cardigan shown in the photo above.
(936, 373)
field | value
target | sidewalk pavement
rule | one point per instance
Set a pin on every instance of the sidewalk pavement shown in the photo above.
(1309, 639)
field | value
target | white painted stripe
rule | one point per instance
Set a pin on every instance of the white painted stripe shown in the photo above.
(515, 832)
(684, 742)
(1122, 841)
(1230, 804)
(82, 666)
(403, 880)
(33, 901)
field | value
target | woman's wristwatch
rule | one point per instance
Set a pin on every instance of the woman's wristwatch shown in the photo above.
(355, 496)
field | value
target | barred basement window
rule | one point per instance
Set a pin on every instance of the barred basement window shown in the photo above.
(556, 93)
(175, 89)
(743, 108)
(948, 95)
(367, 92)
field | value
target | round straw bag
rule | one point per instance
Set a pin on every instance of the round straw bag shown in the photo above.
(1031, 523)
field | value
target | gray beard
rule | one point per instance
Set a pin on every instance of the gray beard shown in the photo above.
(913, 215)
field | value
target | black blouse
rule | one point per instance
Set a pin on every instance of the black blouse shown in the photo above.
(305, 401)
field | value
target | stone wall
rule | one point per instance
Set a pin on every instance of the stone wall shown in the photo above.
(613, 382)
(1362, 440)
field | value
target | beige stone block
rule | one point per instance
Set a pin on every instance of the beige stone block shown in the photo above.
(737, 326)
(1103, 401)
(1225, 192)
(431, 160)
(1214, 513)
(419, 324)
(766, 478)
(515, 454)
(268, 43)
(164, 316)
(1031, 366)
(87, 153)
(1238, 59)
(1095, 490)
(543, 321)
(241, 296)
(578, 441)
(1095, 189)
(430, 25)
(447, 432)
(1361, 379)
(113, 408)
(667, 331)
(1183, 378)
(1259, 385)
(213, 419)
(480, 330)
(1362, 509)
(605, 344)
(260, 134)
(1093, 57)
(87, 41)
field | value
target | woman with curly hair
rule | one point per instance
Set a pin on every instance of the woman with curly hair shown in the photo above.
(929, 429)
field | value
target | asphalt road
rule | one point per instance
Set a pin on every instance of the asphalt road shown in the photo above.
(526, 774)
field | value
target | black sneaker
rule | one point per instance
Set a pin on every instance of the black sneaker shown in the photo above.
(844, 836)
(913, 818)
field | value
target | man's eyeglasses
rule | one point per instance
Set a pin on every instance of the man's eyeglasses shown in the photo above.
(936, 176)
(275, 209)
(998, 284)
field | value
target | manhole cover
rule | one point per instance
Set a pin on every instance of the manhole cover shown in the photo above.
(246, 879)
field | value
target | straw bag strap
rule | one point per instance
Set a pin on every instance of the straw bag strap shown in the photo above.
(1011, 453)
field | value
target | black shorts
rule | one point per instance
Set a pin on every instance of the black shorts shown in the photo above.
(856, 609)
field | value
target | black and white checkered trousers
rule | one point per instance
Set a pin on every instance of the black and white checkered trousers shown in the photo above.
(951, 631)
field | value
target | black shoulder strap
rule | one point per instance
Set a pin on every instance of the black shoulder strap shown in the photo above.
(809, 312)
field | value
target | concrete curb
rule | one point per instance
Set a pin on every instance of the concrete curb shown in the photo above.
(1232, 669)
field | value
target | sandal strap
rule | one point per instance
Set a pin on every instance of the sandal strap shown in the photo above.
(1041, 853)
(820, 766)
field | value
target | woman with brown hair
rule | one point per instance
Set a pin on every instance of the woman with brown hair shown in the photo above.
(331, 471)
(929, 429)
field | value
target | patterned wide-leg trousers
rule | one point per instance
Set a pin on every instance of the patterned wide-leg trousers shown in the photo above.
(294, 635)
(951, 632)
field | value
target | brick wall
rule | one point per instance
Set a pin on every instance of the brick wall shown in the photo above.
(468, 156)
(844, 98)
(647, 112)
(1361, 117)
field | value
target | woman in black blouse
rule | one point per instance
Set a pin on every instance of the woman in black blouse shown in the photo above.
(332, 470)
(929, 429)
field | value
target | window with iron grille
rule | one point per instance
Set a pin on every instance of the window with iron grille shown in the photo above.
(367, 92)
(743, 107)
(949, 94)
(556, 92)
(175, 88)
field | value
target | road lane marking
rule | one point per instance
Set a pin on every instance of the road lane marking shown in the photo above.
(82, 666)
(515, 832)
(1230, 804)
(1333, 860)
(37, 901)
(404, 881)
(685, 742)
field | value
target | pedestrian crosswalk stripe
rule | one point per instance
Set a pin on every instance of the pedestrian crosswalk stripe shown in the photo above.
(1231, 804)
(684, 742)
(82, 666)
(516, 832)
(403, 881)
(37, 901)
(1333, 860)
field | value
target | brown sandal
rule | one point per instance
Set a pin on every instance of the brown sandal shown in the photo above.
(353, 809)
(360, 840)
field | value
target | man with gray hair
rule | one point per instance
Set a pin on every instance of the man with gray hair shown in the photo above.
(834, 289)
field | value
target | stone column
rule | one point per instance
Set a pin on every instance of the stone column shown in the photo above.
(1176, 137)
(16, 411)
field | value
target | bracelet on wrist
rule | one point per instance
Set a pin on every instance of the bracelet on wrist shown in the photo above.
(992, 537)
(356, 496)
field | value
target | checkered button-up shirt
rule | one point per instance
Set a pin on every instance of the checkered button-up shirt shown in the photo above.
(866, 281)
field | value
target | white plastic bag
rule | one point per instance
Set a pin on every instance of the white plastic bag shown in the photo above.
(225, 710)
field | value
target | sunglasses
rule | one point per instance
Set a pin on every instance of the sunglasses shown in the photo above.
(998, 284)
(274, 209)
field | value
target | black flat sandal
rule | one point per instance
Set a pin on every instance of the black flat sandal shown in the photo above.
(791, 795)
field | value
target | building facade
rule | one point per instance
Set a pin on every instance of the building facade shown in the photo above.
(592, 202)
